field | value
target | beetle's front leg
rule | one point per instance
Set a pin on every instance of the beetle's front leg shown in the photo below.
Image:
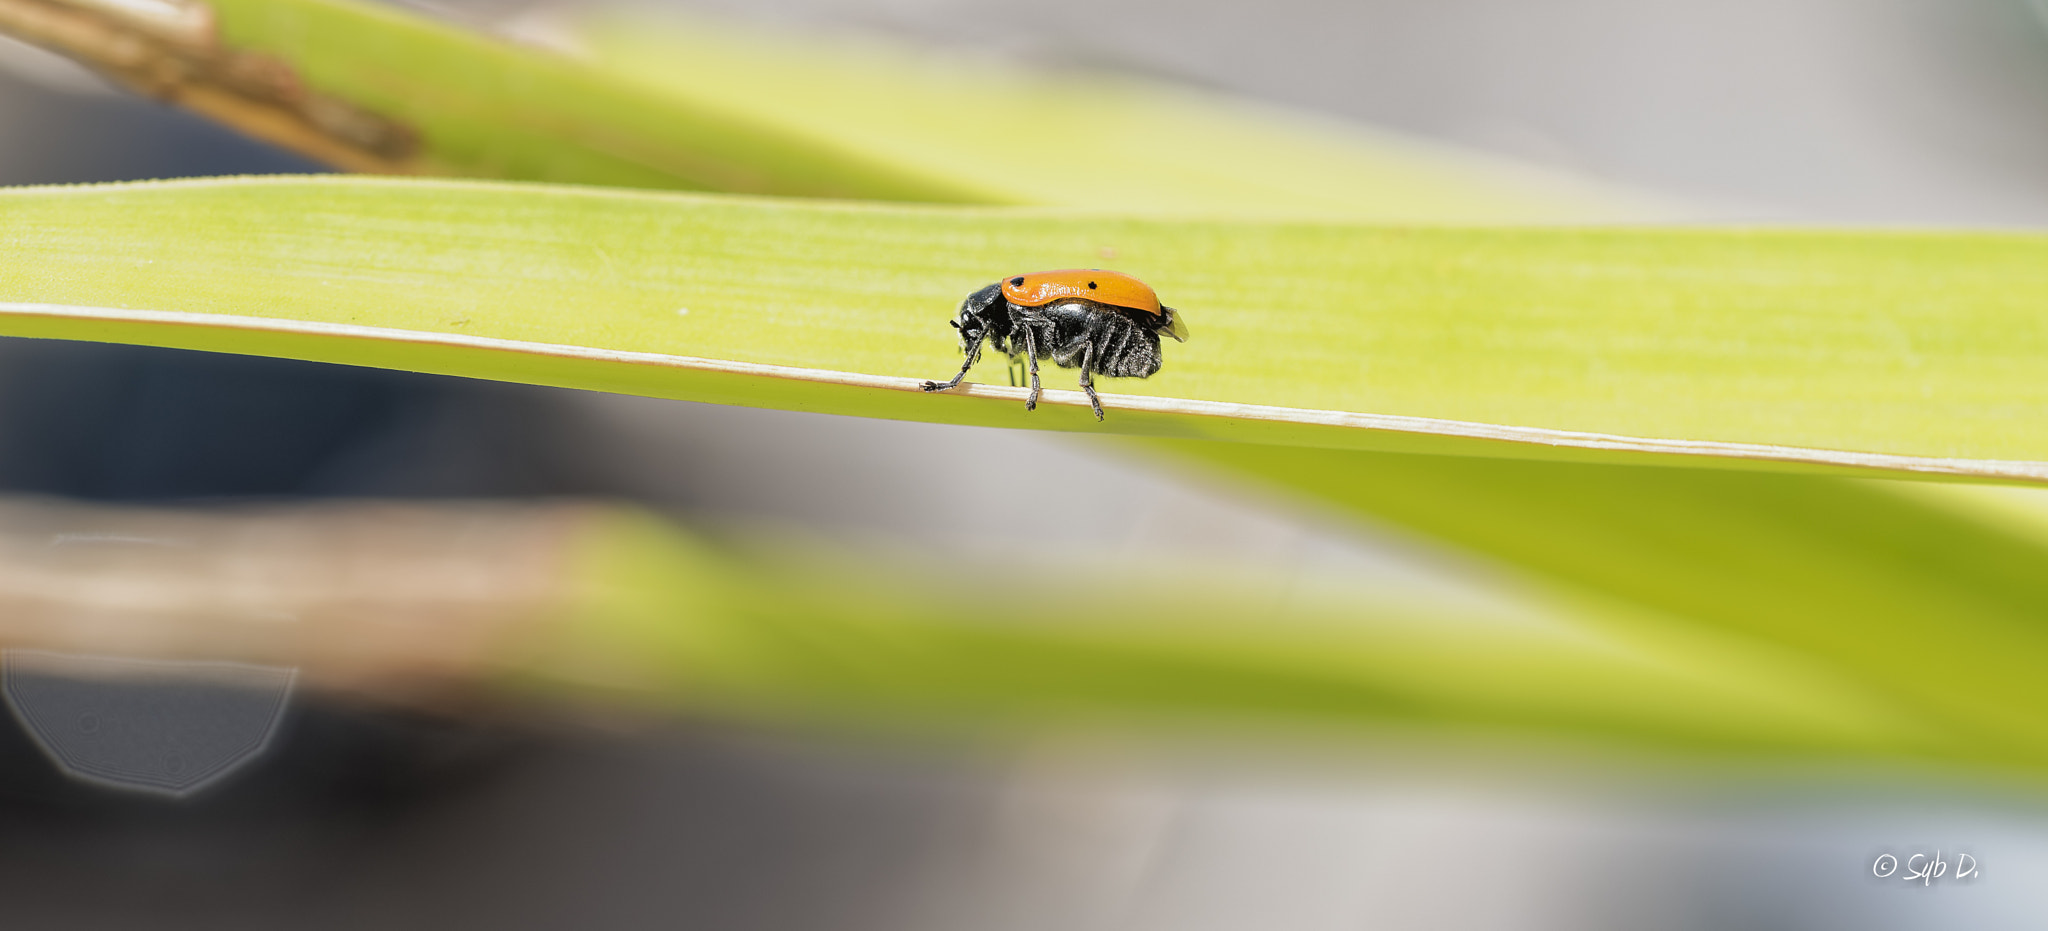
(973, 353)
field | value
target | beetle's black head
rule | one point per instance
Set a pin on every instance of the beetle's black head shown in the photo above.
(981, 314)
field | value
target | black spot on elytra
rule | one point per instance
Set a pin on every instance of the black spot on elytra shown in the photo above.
(1017, 282)
(1091, 286)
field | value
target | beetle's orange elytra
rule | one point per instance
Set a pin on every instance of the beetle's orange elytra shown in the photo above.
(1089, 284)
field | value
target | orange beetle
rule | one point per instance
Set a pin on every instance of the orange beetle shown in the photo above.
(1101, 322)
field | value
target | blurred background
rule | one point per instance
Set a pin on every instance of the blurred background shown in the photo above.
(1903, 112)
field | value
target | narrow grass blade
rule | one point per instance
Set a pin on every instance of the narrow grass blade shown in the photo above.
(1909, 353)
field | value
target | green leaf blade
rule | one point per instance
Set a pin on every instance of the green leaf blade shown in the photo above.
(1758, 348)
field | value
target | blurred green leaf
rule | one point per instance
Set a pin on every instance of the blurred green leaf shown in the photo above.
(786, 629)
(1075, 135)
(1930, 595)
(485, 107)
(642, 100)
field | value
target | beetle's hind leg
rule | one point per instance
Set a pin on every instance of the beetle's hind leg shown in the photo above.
(1031, 363)
(1088, 381)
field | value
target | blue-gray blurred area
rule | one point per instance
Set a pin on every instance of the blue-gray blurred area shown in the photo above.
(1886, 111)
(65, 126)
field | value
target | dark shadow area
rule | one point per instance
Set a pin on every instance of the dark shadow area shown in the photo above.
(51, 137)
(365, 817)
(132, 423)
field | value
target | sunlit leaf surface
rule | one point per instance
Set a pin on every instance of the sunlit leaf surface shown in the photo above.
(1888, 350)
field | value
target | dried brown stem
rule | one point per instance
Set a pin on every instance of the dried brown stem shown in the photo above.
(171, 50)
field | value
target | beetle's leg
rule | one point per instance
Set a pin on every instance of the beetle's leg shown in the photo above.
(1031, 362)
(973, 353)
(1088, 380)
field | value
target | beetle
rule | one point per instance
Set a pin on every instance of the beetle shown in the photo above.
(1101, 322)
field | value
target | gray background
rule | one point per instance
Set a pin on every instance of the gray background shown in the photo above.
(1878, 111)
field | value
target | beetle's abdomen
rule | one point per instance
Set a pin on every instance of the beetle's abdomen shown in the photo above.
(1131, 351)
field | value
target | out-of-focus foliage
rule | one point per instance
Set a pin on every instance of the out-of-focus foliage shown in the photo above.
(482, 107)
(1080, 138)
(784, 628)
(658, 102)
(398, 600)
(1931, 595)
